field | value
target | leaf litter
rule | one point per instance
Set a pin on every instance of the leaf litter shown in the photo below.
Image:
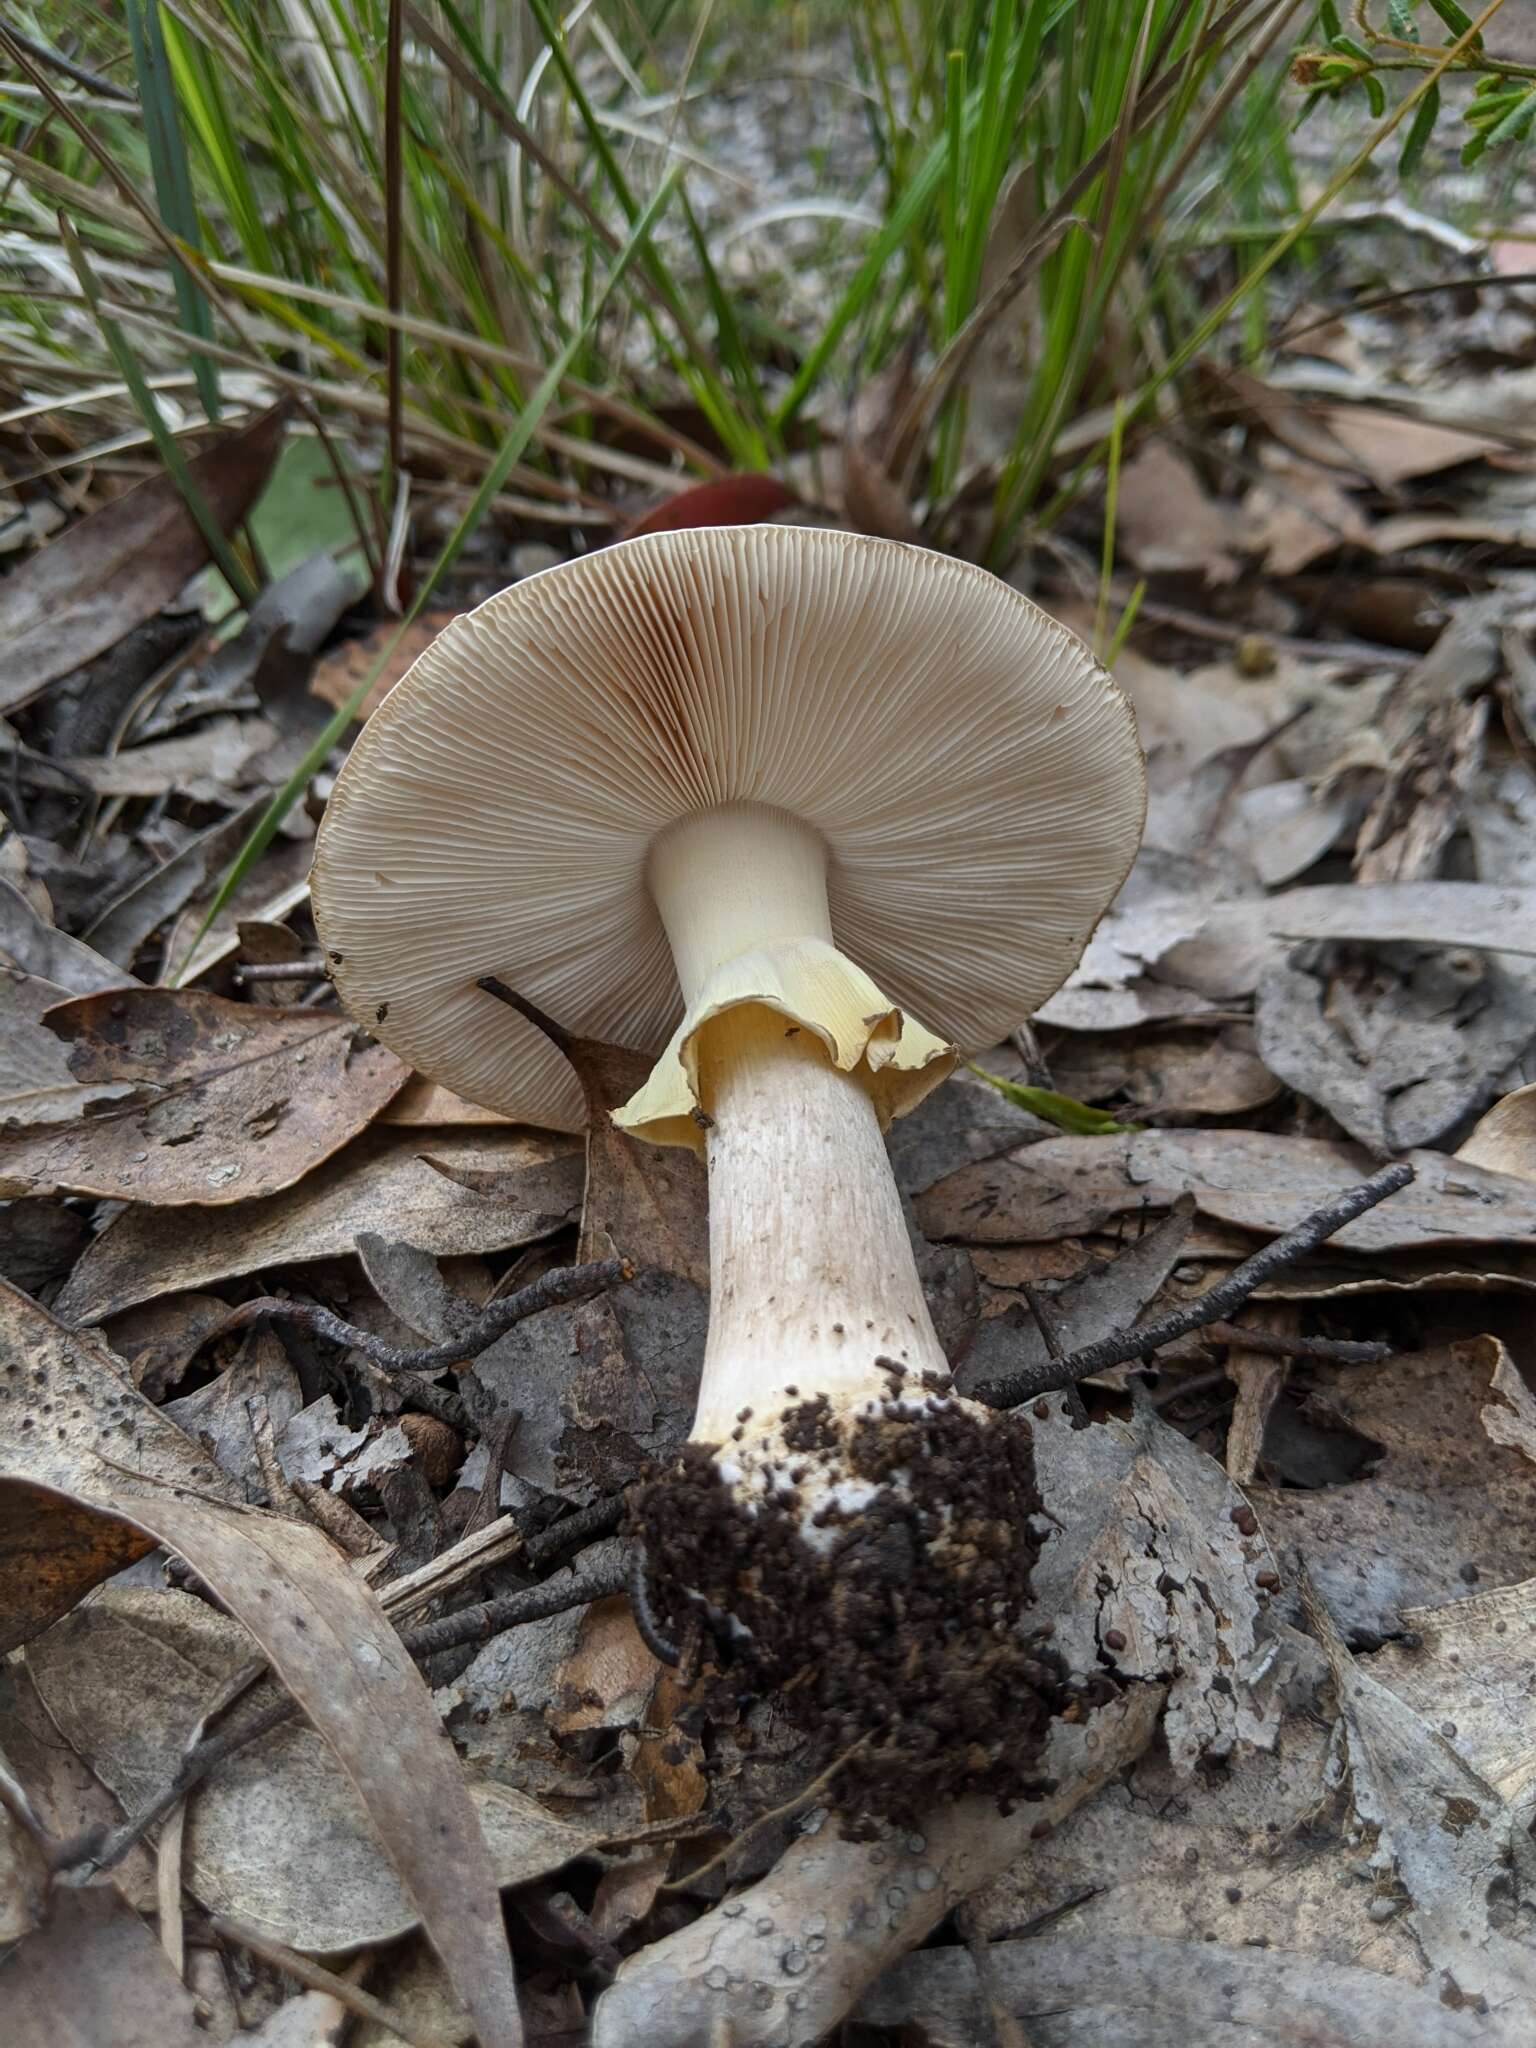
(1301, 1574)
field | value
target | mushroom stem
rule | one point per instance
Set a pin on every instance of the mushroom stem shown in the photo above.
(813, 1284)
(813, 1288)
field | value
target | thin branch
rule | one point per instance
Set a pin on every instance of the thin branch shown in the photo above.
(1275, 1344)
(305, 1970)
(1215, 1305)
(57, 61)
(566, 1284)
(85, 1857)
(510, 1610)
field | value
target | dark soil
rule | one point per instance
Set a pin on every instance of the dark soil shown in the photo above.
(907, 1638)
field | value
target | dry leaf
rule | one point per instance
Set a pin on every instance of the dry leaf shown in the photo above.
(277, 1837)
(147, 1252)
(1453, 1842)
(232, 1101)
(1505, 1138)
(722, 501)
(204, 766)
(71, 1419)
(333, 1648)
(649, 1203)
(1399, 1045)
(30, 943)
(1438, 1507)
(1511, 1419)
(1255, 1179)
(78, 596)
(36, 1085)
(338, 674)
(1164, 520)
(1391, 448)
(128, 920)
(95, 1974)
(424, 1105)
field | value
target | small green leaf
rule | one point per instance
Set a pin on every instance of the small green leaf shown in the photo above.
(1348, 47)
(1064, 1111)
(1515, 125)
(1425, 115)
(1328, 20)
(1400, 21)
(1375, 96)
(1457, 20)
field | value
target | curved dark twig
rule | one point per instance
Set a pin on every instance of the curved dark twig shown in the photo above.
(566, 1284)
(1215, 1305)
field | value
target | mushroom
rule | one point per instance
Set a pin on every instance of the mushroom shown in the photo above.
(809, 811)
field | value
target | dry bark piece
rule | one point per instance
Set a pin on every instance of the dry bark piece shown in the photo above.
(1134, 1991)
(788, 1957)
(76, 598)
(147, 1252)
(230, 1101)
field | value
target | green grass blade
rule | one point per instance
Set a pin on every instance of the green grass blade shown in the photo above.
(154, 420)
(1064, 1111)
(173, 180)
(510, 452)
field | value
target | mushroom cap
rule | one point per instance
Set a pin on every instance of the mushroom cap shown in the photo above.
(974, 772)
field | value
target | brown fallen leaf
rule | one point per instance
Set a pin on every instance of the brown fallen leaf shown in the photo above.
(333, 1648)
(72, 1418)
(1255, 1179)
(1166, 521)
(648, 1203)
(36, 1086)
(95, 1974)
(231, 1101)
(1505, 1138)
(79, 595)
(276, 1837)
(149, 1251)
(1390, 447)
(424, 1105)
(337, 675)
(722, 501)
(31, 944)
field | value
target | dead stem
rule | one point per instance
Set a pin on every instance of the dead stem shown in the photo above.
(1216, 1304)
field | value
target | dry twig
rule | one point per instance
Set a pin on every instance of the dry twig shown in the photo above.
(1215, 1305)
